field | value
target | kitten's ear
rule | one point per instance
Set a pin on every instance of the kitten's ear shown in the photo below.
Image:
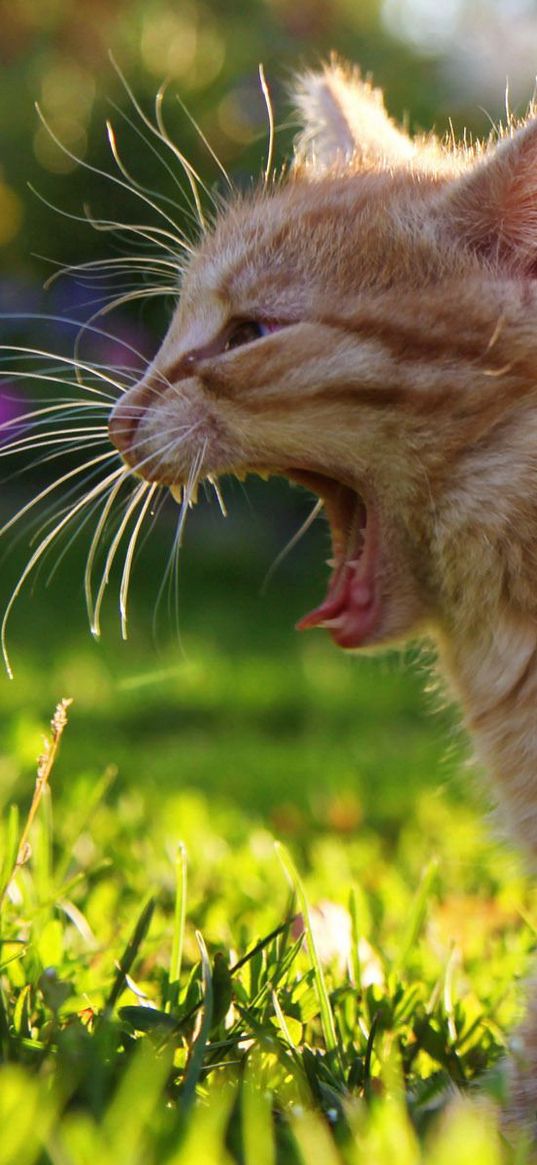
(494, 207)
(344, 119)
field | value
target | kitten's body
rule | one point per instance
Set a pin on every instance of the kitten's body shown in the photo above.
(368, 327)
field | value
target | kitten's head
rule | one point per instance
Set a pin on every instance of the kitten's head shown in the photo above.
(356, 328)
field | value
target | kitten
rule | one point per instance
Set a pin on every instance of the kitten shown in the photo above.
(367, 327)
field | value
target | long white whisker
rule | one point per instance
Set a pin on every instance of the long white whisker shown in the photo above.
(152, 234)
(47, 458)
(112, 551)
(59, 378)
(138, 189)
(107, 285)
(43, 545)
(270, 114)
(61, 506)
(159, 131)
(30, 437)
(185, 431)
(110, 177)
(125, 578)
(171, 572)
(93, 550)
(153, 264)
(83, 522)
(207, 145)
(193, 177)
(173, 586)
(97, 369)
(60, 409)
(54, 485)
(292, 543)
(42, 441)
(148, 145)
(132, 295)
(88, 326)
(189, 494)
(58, 373)
(171, 565)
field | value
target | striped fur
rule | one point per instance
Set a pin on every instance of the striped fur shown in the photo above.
(404, 363)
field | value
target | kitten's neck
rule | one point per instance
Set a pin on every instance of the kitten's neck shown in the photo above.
(487, 573)
(494, 674)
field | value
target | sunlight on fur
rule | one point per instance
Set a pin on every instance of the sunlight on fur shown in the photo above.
(363, 325)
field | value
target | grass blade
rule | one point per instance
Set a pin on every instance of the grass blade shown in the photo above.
(418, 913)
(176, 957)
(44, 769)
(11, 851)
(327, 1017)
(256, 1117)
(129, 954)
(197, 1051)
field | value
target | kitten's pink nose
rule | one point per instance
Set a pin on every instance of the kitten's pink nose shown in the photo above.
(148, 393)
(123, 422)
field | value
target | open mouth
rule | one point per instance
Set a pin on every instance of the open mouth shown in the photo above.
(351, 608)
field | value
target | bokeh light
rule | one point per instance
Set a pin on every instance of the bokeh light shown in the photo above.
(426, 24)
(10, 214)
(436, 63)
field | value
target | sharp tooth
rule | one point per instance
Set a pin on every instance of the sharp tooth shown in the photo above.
(332, 563)
(193, 495)
(217, 491)
(263, 474)
(177, 493)
(240, 474)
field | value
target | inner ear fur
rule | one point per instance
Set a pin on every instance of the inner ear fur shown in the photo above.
(494, 206)
(344, 120)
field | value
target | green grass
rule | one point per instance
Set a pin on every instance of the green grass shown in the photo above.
(238, 700)
(176, 987)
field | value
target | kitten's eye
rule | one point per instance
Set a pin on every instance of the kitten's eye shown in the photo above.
(246, 332)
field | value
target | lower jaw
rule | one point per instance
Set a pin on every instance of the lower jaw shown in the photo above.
(352, 610)
(353, 616)
(356, 628)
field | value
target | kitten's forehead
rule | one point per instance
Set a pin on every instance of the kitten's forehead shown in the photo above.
(280, 248)
(251, 235)
(247, 260)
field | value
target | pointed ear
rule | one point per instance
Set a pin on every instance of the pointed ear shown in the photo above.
(494, 207)
(344, 119)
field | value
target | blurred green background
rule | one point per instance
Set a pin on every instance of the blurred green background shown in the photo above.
(213, 688)
(440, 65)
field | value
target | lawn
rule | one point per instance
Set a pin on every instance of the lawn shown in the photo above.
(261, 917)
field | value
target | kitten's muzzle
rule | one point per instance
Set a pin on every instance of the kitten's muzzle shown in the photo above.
(122, 426)
(131, 407)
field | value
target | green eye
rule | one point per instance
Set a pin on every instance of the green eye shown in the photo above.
(246, 332)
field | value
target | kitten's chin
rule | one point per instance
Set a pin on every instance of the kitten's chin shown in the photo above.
(352, 608)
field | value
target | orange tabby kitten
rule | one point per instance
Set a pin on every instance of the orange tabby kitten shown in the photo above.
(368, 328)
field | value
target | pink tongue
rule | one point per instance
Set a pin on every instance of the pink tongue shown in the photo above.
(337, 601)
(350, 609)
